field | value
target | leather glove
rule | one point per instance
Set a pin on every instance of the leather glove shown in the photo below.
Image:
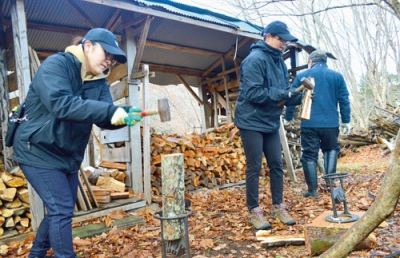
(345, 128)
(119, 117)
(133, 116)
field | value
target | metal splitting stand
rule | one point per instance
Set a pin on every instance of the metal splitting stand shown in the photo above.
(175, 247)
(338, 196)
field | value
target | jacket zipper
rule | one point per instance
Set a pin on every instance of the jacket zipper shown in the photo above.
(29, 143)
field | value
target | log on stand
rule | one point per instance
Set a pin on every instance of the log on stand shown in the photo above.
(173, 191)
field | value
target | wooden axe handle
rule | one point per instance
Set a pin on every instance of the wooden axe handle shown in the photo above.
(297, 90)
(145, 113)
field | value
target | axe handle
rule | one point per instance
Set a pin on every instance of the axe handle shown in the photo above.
(145, 113)
(297, 90)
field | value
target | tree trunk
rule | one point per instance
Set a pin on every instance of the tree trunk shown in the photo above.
(383, 206)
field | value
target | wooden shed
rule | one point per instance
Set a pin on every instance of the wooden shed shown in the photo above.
(165, 42)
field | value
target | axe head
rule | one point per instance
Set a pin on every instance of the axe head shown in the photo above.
(163, 110)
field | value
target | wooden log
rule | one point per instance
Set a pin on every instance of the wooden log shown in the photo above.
(173, 189)
(12, 181)
(124, 195)
(23, 194)
(277, 240)
(109, 164)
(111, 183)
(320, 235)
(8, 194)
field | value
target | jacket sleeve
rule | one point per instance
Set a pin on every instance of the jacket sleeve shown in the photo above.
(54, 88)
(343, 99)
(255, 88)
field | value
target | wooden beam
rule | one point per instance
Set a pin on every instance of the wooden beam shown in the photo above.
(146, 135)
(228, 55)
(112, 23)
(187, 86)
(141, 44)
(221, 100)
(82, 14)
(175, 70)
(190, 50)
(60, 29)
(227, 106)
(131, 20)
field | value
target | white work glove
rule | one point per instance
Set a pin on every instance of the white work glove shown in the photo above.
(119, 117)
(346, 127)
(286, 122)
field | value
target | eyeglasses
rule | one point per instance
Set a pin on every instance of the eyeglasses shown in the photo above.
(110, 57)
(281, 40)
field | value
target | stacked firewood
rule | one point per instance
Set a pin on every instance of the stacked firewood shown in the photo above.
(211, 159)
(14, 202)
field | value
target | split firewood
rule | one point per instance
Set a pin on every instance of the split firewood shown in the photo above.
(12, 181)
(24, 222)
(23, 194)
(111, 183)
(8, 194)
(124, 195)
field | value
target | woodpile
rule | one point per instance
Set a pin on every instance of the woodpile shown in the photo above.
(211, 159)
(14, 203)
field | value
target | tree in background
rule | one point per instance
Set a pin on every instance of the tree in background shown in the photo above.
(364, 36)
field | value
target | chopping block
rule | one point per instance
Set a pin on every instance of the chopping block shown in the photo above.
(320, 234)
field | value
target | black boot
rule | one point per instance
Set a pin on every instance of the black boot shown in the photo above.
(330, 161)
(310, 174)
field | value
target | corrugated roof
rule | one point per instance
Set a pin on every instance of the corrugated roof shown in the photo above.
(201, 14)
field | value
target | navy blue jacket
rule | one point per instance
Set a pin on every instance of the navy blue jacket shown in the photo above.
(330, 94)
(263, 84)
(67, 107)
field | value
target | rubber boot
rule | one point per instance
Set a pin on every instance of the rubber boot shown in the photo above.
(330, 161)
(310, 174)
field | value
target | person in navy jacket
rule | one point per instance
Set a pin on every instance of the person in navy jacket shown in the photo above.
(68, 94)
(263, 84)
(321, 131)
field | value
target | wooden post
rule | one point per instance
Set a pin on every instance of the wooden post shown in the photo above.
(286, 153)
(173, 190)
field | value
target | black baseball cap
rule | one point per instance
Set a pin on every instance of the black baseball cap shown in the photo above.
(108, 42)
(279, 28)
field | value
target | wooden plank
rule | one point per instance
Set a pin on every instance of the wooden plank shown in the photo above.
(119, 90)
(83, 193)
(109, 164)
(173, 188)
(134, 171)
(146, 136)
(121, 204)
(121, 154)
(88, 186)
(110, 136)
(286, 153)
(90, 230)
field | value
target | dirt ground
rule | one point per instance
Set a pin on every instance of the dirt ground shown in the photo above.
(219, 224)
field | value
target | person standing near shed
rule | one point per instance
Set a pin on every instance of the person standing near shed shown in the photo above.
(321, 131)
(68, 94)
(263, 84)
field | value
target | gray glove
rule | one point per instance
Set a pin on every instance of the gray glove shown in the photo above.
(345, 127)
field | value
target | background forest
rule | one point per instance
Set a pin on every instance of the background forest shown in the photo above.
(362, 35)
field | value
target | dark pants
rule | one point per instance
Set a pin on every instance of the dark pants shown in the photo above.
(58, 192)
(313, 139)
(254, 145)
